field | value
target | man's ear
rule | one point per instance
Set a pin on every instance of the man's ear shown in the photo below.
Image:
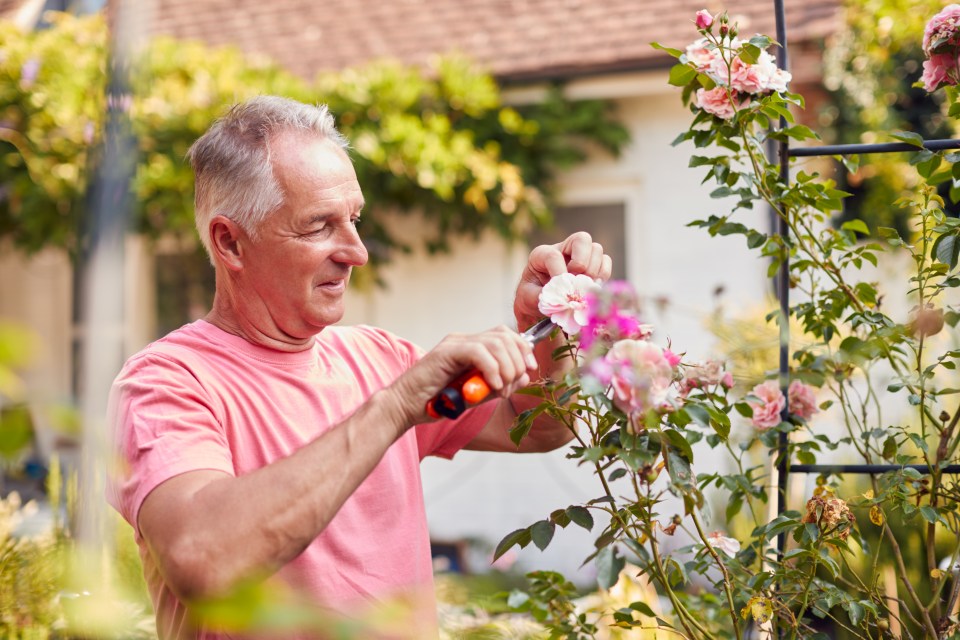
(225, 242)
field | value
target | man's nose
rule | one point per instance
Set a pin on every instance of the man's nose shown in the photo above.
(352, 250)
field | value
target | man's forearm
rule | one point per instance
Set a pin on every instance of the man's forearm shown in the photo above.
(235, 528)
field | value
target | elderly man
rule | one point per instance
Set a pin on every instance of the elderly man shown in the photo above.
(263, 439)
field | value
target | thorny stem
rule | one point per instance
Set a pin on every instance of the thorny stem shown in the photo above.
(898, 556)
(723, 570)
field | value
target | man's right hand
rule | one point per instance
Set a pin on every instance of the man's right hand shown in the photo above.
(501, 355)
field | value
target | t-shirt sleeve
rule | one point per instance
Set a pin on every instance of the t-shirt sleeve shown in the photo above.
(163, 424)
(443, 438)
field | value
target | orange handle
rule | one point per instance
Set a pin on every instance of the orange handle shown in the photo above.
(456, 397)
(475, 389)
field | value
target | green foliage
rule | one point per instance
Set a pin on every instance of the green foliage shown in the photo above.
(438, 143)
(833, 567)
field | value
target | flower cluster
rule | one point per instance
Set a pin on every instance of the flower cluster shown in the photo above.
(768, 403)
(941, 44)
(831, 515)
(721, 59)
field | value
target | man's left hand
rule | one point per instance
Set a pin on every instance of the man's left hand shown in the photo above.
(578, 254)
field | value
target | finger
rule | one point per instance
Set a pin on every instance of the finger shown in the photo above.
(596, 261)
(578, 249)
(606, 268)
(546, 261)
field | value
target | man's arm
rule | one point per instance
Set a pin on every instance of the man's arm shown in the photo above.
(208, 530)
(578, 254)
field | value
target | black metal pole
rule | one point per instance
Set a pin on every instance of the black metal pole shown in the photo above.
(868, 469)
(783, 290)
(886, 147)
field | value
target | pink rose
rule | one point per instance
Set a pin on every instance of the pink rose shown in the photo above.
(759, 77)
(641, 376)
(704, 19)
(941, 32)
(564, 300)
(766, 412)
(937, 71)
(706, 58)
(803, 402)
(716, 101)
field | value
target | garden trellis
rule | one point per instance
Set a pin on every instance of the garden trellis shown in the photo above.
(785, 153)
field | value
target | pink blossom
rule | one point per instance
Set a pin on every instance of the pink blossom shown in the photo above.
(941, 32)
(803, 402)
(704, 19)
(720, 542)
(706, 58)
(715, 101)
(564, 300)
(704, 374)
(766, 412)
(937, 71)
(641, 376)
(671, 357)
(612, 315)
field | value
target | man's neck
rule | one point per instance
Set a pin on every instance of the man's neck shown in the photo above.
(229, 318)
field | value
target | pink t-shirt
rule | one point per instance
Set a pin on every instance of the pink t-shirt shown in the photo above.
(201, 398)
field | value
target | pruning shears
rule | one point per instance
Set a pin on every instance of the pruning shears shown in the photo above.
(470, 388)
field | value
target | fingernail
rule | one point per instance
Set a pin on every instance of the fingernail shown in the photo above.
(531, 361)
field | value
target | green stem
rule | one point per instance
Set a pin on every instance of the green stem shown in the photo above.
(723, 570)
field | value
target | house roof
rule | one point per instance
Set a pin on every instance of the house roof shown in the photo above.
(517, 40)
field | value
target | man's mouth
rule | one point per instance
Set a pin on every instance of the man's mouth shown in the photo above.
(333, 285)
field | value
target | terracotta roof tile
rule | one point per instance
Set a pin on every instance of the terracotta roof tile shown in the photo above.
(515, 39)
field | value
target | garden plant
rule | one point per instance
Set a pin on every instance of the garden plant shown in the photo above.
(857, 556)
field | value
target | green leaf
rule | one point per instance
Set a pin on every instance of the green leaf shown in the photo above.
(909, 137)
(946, 249)
(542, 533)
(750, 53)
(643, 608)
(609, 565)
(856, 225)
(676, 53)
(580, 516)
(681, 75)
(929, 514)
(520, 537)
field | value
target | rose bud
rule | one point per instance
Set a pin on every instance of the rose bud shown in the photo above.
(704, 19)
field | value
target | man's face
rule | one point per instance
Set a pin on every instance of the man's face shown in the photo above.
(300, 263)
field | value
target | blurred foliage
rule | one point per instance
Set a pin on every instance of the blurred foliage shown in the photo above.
(438, 142)
(870, 67)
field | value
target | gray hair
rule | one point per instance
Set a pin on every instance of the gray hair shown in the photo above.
(232, 160)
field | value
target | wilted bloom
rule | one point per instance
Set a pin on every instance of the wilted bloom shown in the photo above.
(703, 375)
(766, 412)
(704, 19)
(926, 321)
(939, 70)
(612, 314)
(720, 542)
(564, 300)
(641, 376)
(803, 402)
(941, 33)
(830, 514)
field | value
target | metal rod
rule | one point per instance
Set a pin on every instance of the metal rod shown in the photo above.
(886, 147)
(783, 290)
(868, 469)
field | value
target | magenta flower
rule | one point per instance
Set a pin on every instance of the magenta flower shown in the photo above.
(704, 19)
(564, 300)
(770, 402)
(803, 402)
(612, 315)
